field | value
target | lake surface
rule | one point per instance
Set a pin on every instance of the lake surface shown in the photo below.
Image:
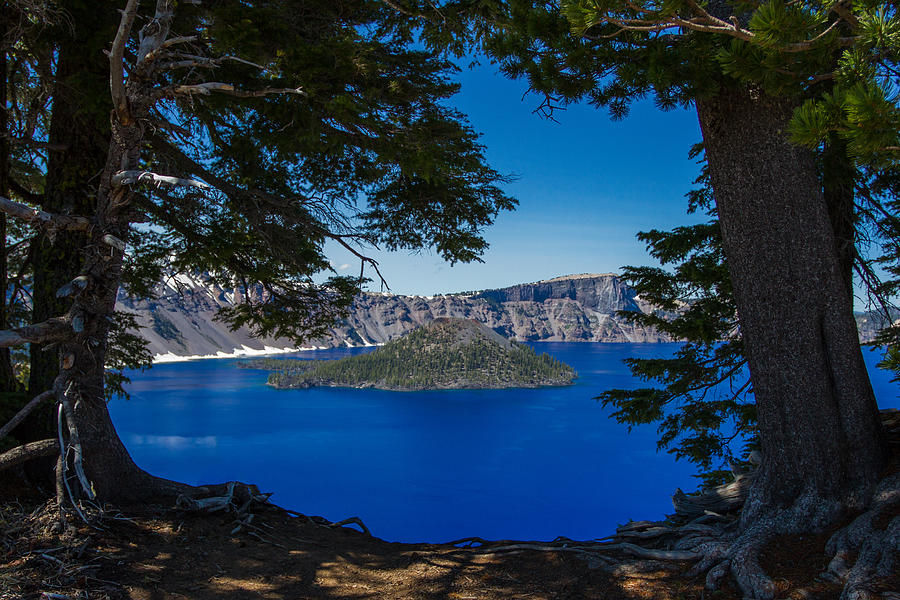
(418, 466)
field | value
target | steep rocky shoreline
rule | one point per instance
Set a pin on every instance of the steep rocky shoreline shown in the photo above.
(180, 322)
(576, 308)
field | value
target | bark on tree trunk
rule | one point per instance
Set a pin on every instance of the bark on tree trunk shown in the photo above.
(80, 123)
(109, 467)
(7, 378)
(818, 420)
(113, 474)
(838, 180)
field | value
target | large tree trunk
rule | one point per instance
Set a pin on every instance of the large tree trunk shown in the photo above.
(7, 378)
(819, 429)
(113, 474)
(838, 186)
(79, 123)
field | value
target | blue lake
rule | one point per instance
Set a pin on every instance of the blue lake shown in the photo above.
(418, 466)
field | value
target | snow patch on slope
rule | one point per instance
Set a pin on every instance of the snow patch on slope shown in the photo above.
(243, 351)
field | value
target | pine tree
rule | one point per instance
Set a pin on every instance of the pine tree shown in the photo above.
(748, 68)
(703, 397)
(243, 136)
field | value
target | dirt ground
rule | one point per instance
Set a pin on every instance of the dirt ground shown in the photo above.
(168, 554)
(173, 555)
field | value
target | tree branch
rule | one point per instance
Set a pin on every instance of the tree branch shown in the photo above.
(192, 60)
(117, 62)
(51, 220)
(74, 441)
(73, 288)
(24, 412)
(128, 177)
(845, 13)
(230, 189)
(26, 452)
(51, 330)
(648, 20)
(225, 88)
(21, 190)
(15, 141)
(153, 34)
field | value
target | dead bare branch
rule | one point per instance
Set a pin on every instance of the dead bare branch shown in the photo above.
(128, 177)
(184, 61)
(224, 88)
(51, 220)
(51, 330)
(24, 412)
(28, 451)
(353, 520)
(73, 287)
(185, 39)
(153, 35)
(111, 240)
(63, 396)
(117, 62)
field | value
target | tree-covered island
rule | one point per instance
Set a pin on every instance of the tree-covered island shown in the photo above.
(444, 354)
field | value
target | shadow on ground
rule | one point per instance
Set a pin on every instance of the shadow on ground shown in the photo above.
(177, 556)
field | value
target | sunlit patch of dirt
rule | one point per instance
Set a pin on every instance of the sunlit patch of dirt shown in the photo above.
(170, 555)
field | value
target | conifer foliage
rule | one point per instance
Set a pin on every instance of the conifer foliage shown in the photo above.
(246, 139)
(763, 77)
(703, 401)
(444, 354)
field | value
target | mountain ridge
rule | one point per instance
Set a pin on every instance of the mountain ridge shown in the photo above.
(180, 322)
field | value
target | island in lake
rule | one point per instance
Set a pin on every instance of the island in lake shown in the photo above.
(445, 354)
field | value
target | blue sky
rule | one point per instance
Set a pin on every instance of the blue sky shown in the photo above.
(585, 185)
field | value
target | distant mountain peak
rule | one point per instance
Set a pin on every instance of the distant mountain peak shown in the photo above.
(584, 307)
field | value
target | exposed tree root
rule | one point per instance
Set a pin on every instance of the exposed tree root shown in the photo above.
(237, 497)
(720, 499)
(323, 522)
(874, 537)
(865, 551)
(718, 551)
(354, 521)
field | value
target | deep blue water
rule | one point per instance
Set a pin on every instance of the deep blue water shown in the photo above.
(418, 466)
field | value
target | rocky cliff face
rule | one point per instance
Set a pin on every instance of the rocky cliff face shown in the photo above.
(576, 308)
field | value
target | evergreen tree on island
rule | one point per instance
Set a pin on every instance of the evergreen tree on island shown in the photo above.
(446, 353)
